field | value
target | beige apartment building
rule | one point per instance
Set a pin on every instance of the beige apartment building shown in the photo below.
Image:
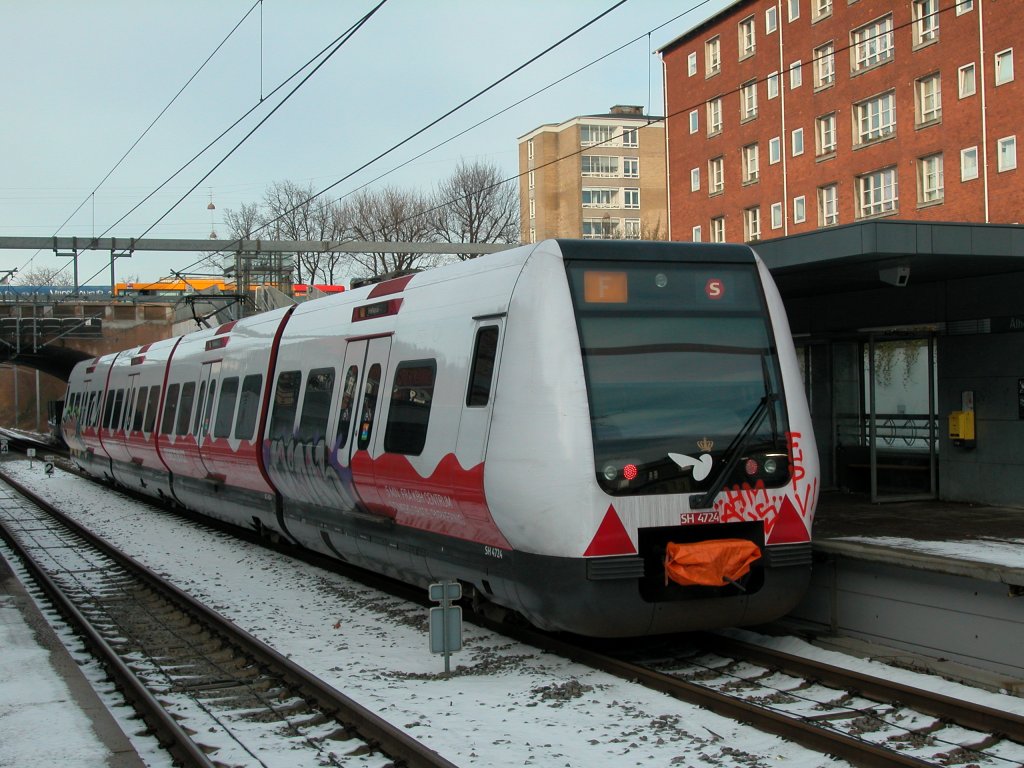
(595, 177)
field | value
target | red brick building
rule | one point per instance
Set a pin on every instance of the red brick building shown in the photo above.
(789, 115)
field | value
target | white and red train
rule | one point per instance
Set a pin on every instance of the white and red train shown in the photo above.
(607, 437)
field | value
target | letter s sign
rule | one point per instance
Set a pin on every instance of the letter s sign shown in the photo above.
(715, 288)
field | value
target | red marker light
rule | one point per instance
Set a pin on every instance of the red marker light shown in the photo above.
(750, 467)
(629, 471)
(714, 288)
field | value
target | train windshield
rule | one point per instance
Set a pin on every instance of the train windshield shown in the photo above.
(682, 376)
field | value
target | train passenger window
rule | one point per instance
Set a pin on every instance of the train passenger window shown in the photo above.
(248, 407)
(108, 410)
(140, 408)
(316, 405)
(369, 409)
(199, 408)
(152, 405)
(170, 409)
(286, 400)
(348, 394)
(115, 420)
(188, 395)
(483, 366)
(226, 407)
(204, 425)
(411, 395)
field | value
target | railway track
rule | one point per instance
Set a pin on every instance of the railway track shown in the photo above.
(211, 693)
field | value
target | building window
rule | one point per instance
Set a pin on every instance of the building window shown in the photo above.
(774, 150)
(695, 234)
(713, 56)
(631, 229)
(776, 215)
(748, 100)
(968, 163)
(716, 175)
(691, 64)
(929, 99)
(591, 135)
(825, 134)
(600, 197)
(828, 205)
(771, 20)
(529, 149)
(1004, 66)
(714, 116)
(825, 65)
(630, 137)
(871, 44)
(963, 6)
(606, 166)
(794, 10)
(747, 40)
(1007, 153)
(966, 77)
(694, 179)
(820, 9)
(926, 21)
(631, 167)
(532, 180)
(631, 198)
(876, 117)
(772, 84)
(796, 74)
(694, 121)
(751, 168)
(533, 234)
(752, 224)
(929, 179)
(798, 142)
(600, 229)
(799, 209)
(718, 229)
(877, 193)
(533, 208)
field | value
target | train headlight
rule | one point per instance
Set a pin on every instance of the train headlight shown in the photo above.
(770, 466)
(610, 472)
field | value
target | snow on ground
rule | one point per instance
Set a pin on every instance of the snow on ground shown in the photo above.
(505, 704)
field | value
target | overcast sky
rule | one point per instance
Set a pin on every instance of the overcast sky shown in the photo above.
(82, 81)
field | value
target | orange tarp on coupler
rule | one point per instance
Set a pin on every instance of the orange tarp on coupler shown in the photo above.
(712, 563)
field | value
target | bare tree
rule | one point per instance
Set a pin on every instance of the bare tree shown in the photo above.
(475, 205)
(60, 275)
(390, 215)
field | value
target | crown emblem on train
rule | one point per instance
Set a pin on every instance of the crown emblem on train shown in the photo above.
(705, 445)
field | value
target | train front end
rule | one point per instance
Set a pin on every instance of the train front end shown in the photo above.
(691, 496)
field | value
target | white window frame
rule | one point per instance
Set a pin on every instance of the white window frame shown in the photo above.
(751, 163)
(631, 198)
(925, 14)
(930, 185)
(871, 45)
(714, 116)
(797, 142)
(716, 175)
(747, 37)
(599, 134)
(799, 209)
(695, 179)
(631, 167)
(533, 208)
(794, 9)
(529, 149)
(691, 64)
(695, 234)
(796, 74)
(825, 65)
(878, 193)
(532, 180)
(774, 150)
(631, 229)
(776, 215)
(875, 118)
(969, 163)
(771, 19)
(825, 134)
(1004, 66)
(964, 6)
(967, 81)
(820, 9)
(772, 85)
(608, 166)
(607, 228)
(630, 137)
(1006, 153)
(748, 100)
(752, 224)
(694, 120)
(712, 56)
(928, 92)
(828, 205)
(718, 229)
(600, 197)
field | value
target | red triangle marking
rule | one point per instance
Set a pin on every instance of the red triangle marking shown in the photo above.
(789, 527)
(611, 537)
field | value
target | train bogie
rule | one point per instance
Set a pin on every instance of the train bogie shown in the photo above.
(568, 428)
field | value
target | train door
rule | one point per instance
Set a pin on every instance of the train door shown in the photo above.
(475, 422)
(370, 359)
(204, 408)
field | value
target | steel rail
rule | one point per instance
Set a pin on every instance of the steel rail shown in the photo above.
(389, 739)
